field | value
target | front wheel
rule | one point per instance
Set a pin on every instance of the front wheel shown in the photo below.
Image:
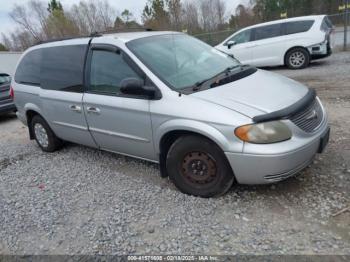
(198, 167)
(297, 58)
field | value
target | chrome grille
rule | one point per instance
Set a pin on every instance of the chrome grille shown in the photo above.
(310, 118)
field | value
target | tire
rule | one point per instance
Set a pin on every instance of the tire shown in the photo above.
(198, 167)
(44, 136)
(297, 58)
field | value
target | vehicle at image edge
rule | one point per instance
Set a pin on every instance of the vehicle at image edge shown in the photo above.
(6, 103)
(293, 42)
(169, 98)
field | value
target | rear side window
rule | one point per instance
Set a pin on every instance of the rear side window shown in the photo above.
(107, 71)
(28, 70)
(298, 27)
(268, 31)
(4, 78)
(62, 68)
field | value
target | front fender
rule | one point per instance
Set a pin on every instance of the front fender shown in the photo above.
(192, 126)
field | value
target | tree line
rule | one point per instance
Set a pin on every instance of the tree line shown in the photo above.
(39, 21)
(266, 10)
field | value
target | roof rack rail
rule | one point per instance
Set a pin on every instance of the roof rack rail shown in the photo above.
(119, 30)
(94, 34)
(59, 39)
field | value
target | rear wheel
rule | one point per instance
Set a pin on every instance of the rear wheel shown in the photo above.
(297, 58)
(198, 167)
(44, 136)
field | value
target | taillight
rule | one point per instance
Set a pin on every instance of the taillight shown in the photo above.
(12, 93)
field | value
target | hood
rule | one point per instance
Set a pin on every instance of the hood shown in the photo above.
(259, 93)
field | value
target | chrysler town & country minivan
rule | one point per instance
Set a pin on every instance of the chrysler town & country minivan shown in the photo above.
(171, 99)
(293, 42)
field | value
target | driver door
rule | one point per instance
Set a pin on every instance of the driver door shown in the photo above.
(117, 122)
(242, 49)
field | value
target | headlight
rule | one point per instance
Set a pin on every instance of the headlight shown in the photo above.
(264, 133)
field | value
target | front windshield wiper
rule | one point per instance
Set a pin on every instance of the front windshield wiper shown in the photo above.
(199, 84)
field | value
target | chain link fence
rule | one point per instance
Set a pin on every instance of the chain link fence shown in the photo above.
(338, 20)
(214, 38)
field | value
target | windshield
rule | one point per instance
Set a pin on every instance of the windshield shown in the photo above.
(180, 60)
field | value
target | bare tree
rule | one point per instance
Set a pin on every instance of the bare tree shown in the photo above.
(93, 16)
(191, 17)
(23, 16)
(220, 9)
(244, 16)
(175, 14)
(212, 14)
(106, 13)
(40, 12)
(7, 41)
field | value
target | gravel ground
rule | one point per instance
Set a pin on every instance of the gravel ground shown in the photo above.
(84, 201)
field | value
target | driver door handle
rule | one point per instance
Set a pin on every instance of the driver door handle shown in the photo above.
(95, 110)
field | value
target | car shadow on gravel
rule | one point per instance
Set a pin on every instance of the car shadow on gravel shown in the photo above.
(290, 185)
(131, 167)
(7, 117)
(312, 65)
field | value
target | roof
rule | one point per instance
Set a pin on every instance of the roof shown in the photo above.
(299, 18)
(126, 37)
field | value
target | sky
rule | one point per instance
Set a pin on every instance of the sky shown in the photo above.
(135, 6)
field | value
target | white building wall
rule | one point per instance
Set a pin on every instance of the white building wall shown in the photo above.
(8, 62)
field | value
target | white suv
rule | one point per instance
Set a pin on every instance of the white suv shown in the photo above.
(293, 42)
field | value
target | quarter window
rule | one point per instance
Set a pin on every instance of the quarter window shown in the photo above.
(28, 70)
(298, 26)
(108, 69)
(268, 31)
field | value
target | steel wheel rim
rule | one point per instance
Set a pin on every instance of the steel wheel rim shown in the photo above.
(297, 59)
(41, 135)
(199, 168)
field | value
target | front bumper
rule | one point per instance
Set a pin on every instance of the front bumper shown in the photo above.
(275, 162)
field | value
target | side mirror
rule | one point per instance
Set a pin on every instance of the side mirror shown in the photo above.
(230, 44)
(134, 86)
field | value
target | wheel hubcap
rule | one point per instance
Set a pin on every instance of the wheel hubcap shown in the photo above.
(199, 168)
(297, 59)
(41, 135)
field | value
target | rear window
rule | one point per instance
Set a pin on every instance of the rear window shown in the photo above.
(4, 78)
(268, 31)
(62, 68)
(326, 24)
(55, 68)
(28, 71)
(298, 26)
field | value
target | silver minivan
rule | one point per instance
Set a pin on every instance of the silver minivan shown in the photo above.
(166, 97)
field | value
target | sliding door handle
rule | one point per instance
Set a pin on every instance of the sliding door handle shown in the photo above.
(95, 110)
